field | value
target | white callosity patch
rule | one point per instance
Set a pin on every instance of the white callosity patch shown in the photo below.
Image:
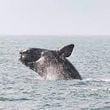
(41, 61)
(23, 56)
(23, 50)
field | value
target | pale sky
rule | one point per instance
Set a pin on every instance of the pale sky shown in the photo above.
(54, 17)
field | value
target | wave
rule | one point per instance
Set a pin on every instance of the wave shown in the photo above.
(13, 99)
(97, 80)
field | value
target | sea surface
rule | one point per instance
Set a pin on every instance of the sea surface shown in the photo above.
(20, 89)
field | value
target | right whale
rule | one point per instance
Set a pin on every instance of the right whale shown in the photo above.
(50, 64)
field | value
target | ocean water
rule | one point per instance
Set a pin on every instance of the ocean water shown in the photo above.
(21, 90)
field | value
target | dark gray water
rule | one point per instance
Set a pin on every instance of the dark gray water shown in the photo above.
(21, 90)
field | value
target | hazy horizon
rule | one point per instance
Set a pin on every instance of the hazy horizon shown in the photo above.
(55, 17)
(56, 36)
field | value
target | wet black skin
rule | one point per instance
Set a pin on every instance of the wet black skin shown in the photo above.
(50, 64)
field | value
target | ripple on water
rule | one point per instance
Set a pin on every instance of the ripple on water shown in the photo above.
(21, 90)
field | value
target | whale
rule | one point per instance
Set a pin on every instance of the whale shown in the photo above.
(50, 64)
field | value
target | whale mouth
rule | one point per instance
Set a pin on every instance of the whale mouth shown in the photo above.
(24, 58)
(27, 63)
(28, 58)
